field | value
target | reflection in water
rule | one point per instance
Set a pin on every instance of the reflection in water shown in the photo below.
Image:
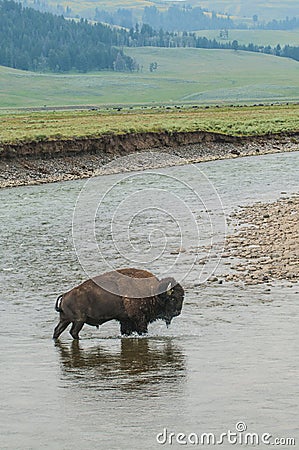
(138, 362)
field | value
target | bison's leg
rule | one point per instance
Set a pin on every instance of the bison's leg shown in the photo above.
(76, 328)
(141, 328)
(126, 327)
(60, 327)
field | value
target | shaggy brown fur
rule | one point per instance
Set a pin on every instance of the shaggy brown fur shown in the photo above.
(134, 297)
(144, 308)
(137, 273)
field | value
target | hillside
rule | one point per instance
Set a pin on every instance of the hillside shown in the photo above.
(201, 77)
(45, 42)
(273, 9)
(31, 40)
(257, 37)
(244, 8)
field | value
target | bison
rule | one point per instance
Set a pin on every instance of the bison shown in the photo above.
(133, 297)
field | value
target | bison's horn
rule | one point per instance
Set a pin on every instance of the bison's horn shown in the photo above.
(169, 290)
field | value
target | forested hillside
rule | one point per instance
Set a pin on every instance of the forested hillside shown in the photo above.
(31, 40)
(174, 18)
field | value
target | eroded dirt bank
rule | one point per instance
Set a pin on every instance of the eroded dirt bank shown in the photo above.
(267, 241)
(49, 161)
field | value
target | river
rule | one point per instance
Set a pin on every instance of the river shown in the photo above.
(229, 360)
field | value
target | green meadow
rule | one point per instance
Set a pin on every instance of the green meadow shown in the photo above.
(257, 37)
(184, 76)
(238, 121)
(89, 6)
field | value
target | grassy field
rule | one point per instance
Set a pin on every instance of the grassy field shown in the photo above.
(240, 8)
(87, 7)
(267, 10)
(184, 76)
(41, 126)
(257, 37)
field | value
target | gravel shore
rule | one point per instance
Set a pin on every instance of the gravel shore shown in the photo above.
(267, 241)
(38, 163)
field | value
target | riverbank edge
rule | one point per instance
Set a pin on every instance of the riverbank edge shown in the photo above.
(264, 247)
(31, 163)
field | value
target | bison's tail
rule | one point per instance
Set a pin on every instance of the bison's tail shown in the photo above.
(58, 304)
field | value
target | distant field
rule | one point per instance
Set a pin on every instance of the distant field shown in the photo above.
(184, 76)
(50, 125)
(240, 8)
(267, 9)
(79, 7)
(257, 37)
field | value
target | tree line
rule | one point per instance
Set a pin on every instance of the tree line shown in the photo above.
(174, 18)
(177, 18)
(285, 24)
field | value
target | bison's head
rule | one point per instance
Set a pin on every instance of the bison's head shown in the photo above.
(171, 295)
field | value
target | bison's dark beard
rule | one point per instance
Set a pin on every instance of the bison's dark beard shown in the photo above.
(168, 321)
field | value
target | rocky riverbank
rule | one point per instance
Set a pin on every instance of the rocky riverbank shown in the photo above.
(50, 161)
(267, 241)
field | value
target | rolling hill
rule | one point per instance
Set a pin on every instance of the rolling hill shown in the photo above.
(184, 75)
(266, 10)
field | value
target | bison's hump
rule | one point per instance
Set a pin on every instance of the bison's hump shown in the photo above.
(136, 273)
(129, 283)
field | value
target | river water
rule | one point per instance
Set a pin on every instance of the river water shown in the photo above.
(230, 359)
